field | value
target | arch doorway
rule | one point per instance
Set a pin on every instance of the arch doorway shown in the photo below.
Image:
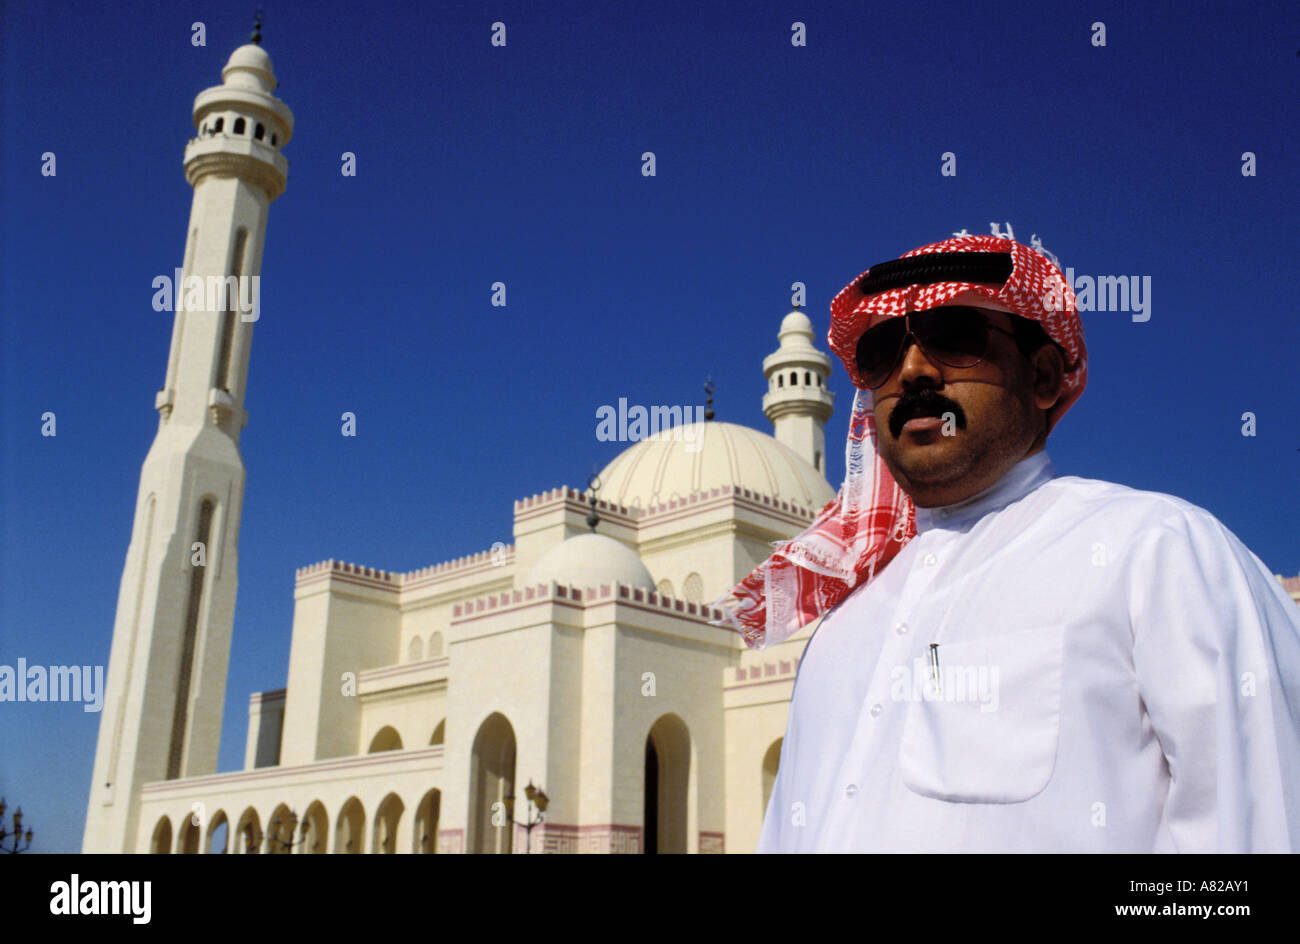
(667, 786)
(491, 780)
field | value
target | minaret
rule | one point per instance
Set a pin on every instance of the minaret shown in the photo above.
(797, 401)
(171, 637)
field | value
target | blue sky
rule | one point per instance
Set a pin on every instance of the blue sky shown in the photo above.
(522, 164)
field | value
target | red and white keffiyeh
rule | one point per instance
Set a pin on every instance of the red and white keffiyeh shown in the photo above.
(871, 519)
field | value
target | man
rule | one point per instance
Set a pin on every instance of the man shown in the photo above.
(1010, 659)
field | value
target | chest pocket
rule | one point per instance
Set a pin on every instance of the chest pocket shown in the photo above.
(990, 734)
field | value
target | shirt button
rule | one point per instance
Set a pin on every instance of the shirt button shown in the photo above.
(851, 791)
(930, 559)
(876, 710)
(901, 629)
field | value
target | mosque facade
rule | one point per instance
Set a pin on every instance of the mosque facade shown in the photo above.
(423, 711)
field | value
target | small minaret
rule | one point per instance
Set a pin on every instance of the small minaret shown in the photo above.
(171, 637)
(797, 401)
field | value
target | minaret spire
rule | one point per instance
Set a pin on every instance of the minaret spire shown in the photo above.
(171, 637)
(256, 37)
(797, 401)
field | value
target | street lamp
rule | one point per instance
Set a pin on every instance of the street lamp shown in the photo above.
(286, 846)
(536, 797)
(17, 834)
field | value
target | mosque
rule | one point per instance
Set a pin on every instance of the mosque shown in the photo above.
(565, 693)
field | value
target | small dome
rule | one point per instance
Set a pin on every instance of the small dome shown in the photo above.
(589, 560)
(796, 323)
(249, 66)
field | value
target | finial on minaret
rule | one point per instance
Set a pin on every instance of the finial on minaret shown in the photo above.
(708, 393)
(256, 37)
(593, 519)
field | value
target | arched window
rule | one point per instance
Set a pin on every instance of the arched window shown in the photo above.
(386, 739)
(180, 713)
(807, 379)
(259, 132)
(239, 126)
(771, 763)
(780, 380)
(416, 651)
(794, 378)
(272, 139)
(819, 380)
(435, 645)
(348, 830)
(217, 125)
(693, 588)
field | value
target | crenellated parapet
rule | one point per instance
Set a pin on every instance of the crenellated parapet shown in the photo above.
(588, 595)
(498, 557)
(731, 491)
(578, 498)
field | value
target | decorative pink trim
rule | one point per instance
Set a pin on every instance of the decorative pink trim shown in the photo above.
(712, 843)
(451, 841)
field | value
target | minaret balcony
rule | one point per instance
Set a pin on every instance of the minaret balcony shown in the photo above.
(234, 156)
(799, 401)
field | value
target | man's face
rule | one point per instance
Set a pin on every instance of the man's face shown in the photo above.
(996, 415)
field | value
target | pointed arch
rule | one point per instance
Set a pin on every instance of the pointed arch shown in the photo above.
(349, 830)
(668, 763)
(439, 733)
(279, 831)
(189, 836)
(491, 780)
(248, 836)
(385, 739)
(161, 843)
(426, 822)
(315, 829)
(771, 764)
(388, 817)
(218, 837)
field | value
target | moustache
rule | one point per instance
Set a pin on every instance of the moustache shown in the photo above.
(923, 402)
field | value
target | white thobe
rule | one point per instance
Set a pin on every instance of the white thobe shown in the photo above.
(1117, 673)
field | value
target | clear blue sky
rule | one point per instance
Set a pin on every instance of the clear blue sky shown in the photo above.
(521, 164)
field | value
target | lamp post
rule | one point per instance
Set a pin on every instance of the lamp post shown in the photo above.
(274, 844)
(536, 797)
(17, 835)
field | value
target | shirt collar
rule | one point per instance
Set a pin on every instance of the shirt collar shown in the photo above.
(1022, 478)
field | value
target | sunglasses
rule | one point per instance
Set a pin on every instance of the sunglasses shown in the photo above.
(953, 335)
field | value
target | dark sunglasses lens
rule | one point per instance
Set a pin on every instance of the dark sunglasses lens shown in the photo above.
(956, 336)
(878, 350)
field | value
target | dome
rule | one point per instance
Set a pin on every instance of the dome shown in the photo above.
(589, 560)
(250, 66)
(675, 462)
(795, 323)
